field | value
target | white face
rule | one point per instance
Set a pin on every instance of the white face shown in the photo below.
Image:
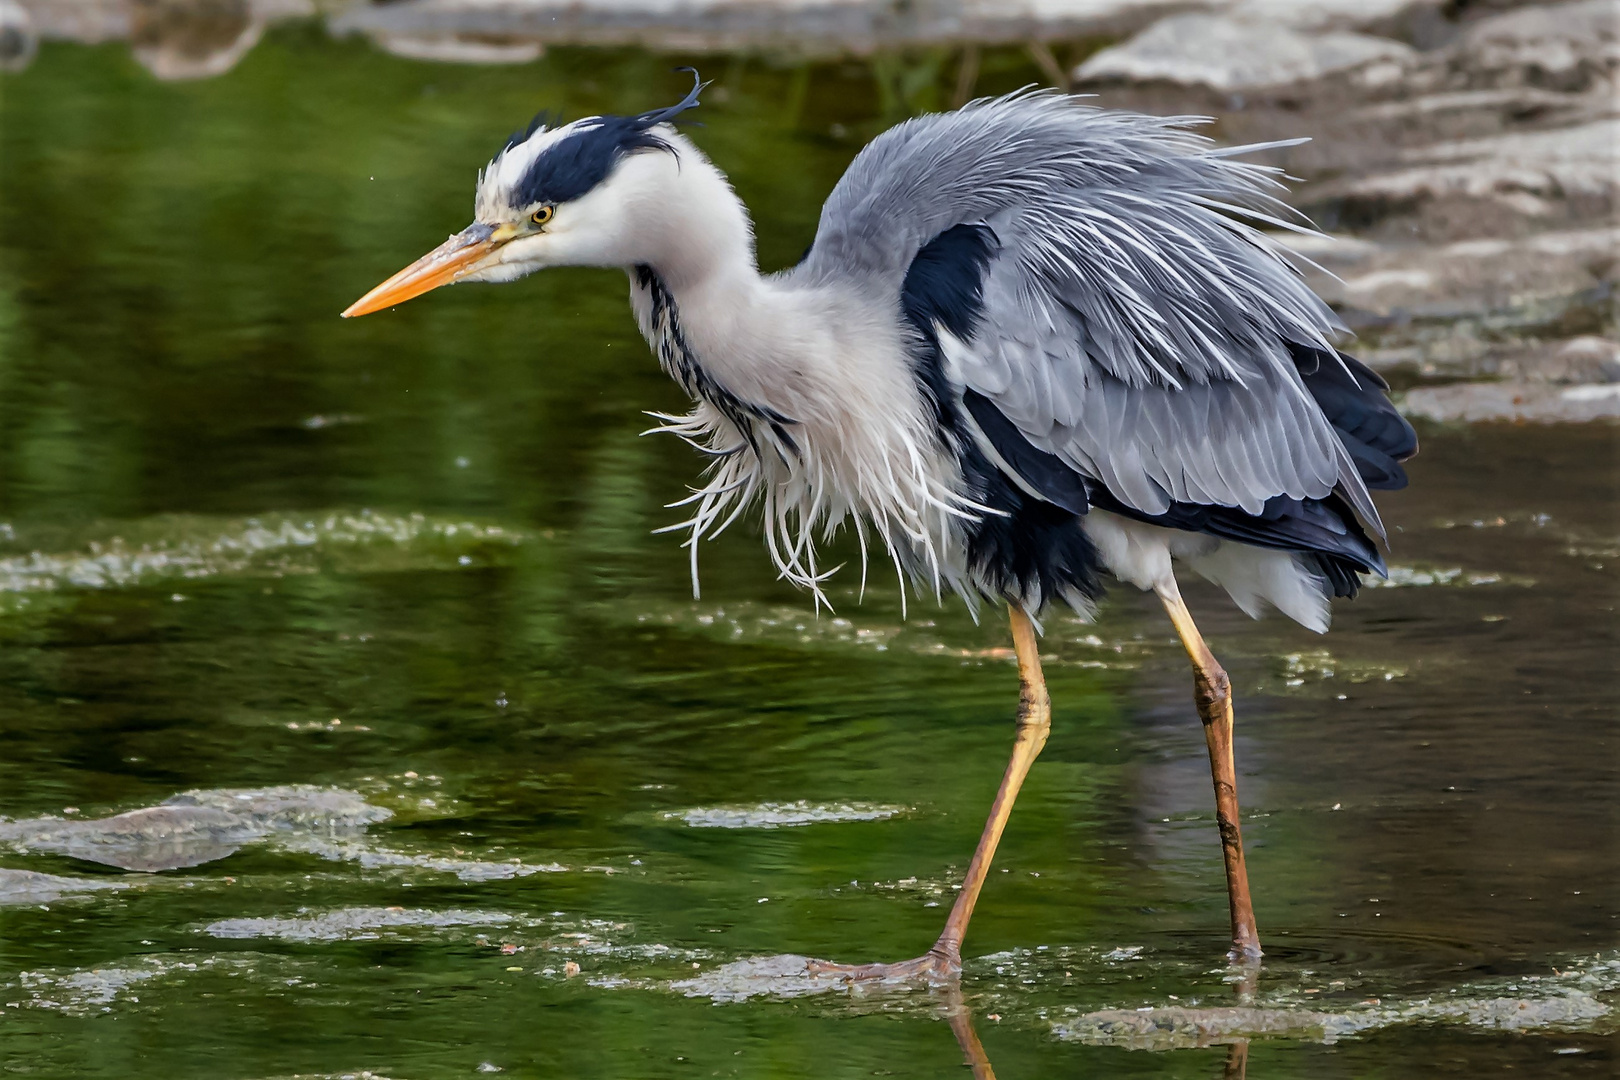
(640, 212)
(614, 224)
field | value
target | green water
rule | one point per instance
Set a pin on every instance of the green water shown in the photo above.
(247, 544)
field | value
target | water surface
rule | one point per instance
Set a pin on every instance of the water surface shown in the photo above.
(430, 763)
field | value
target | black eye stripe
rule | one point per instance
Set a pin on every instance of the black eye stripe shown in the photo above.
(579, 162)
(585, 157)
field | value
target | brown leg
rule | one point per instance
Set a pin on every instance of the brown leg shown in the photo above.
(944, 960)
(1213, 692)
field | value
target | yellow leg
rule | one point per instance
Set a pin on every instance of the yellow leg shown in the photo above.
(1212, 690)
(944, 960)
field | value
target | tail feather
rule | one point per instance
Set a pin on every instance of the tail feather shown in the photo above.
(1355, 400)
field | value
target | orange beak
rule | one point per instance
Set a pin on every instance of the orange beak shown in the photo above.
(447, 263)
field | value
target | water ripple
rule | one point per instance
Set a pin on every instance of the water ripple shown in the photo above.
(191, 546)
(775, 815)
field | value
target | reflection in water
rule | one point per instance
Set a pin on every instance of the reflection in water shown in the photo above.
(961, 1021)
(1237, 1061)
(192, 39)
(18, 41)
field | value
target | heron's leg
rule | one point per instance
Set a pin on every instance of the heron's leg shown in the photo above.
(1212, 689)
(944, 960)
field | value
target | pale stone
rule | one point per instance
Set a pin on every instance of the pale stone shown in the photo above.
(1229, 54)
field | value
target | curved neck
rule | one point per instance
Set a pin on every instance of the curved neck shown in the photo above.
(701, 238)
(716, 325)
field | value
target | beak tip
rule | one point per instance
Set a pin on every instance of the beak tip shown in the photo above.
(442, 266)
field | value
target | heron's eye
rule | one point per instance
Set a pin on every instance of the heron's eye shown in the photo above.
(543, 215)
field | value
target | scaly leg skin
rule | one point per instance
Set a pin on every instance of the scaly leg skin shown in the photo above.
(943, 962)
(1213, 691)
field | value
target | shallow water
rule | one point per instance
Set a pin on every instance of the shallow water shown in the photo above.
(421, 760)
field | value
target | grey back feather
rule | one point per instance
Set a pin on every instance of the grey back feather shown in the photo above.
(1134, 320)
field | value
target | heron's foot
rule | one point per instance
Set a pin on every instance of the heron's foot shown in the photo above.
(1243, 975)
(1245, 953)
(941, 964)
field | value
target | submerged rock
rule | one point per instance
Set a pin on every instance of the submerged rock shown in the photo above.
(87, 991)
(784, 976)
(373, 857)
(150, 839)
(1174, 1027)
(78, 992)
(186, 546)
(31, 887)
(1171, 1027)
(197, 827)
(772, 815)
(289, 806)
(354, 924)
(193, 828)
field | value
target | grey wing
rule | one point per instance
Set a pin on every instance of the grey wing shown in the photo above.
(1130, 320)
(1149, 355)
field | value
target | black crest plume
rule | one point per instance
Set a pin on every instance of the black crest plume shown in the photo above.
(586, 157)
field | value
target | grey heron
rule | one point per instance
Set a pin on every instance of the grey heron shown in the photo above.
(1033, 343)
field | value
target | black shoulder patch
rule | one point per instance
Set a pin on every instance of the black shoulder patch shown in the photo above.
(1046, 473)
(583, 159)
(1026, 549)
(945, 282)
(944, 286)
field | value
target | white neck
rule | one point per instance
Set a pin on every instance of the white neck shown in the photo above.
(696, 230)
(746, 333)
(806, 391)
(809, 352)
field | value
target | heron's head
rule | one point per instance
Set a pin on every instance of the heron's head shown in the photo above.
(596, 192)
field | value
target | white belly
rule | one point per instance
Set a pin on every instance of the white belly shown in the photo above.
(1256, 578)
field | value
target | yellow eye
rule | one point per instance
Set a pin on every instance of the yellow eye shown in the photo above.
(543, 215)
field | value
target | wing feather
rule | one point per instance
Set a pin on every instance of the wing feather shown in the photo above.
(1134, 322)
